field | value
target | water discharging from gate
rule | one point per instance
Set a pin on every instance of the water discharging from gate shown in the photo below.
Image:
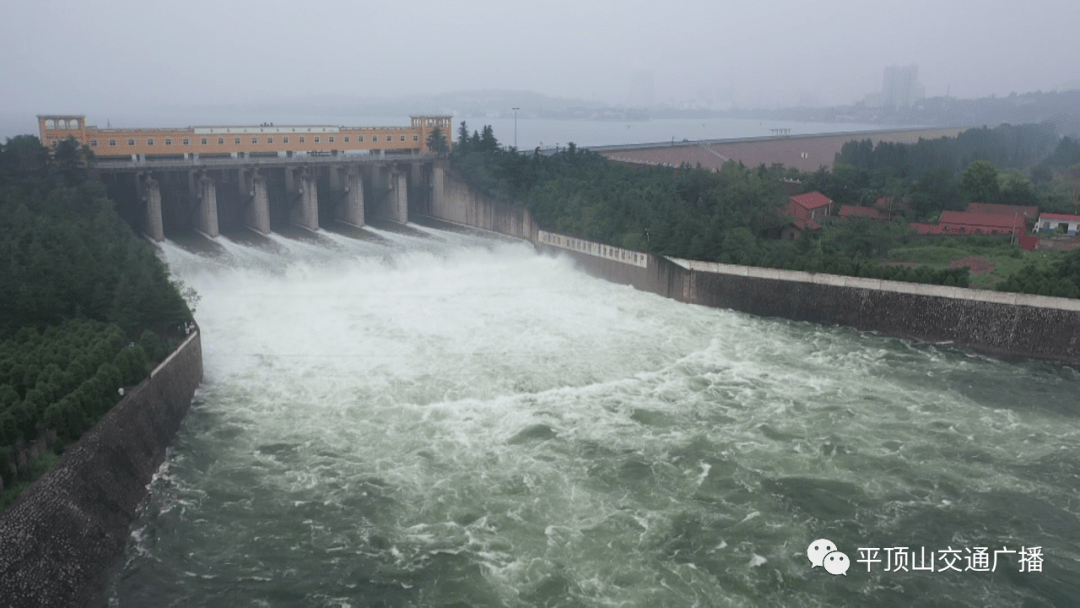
(440, 419)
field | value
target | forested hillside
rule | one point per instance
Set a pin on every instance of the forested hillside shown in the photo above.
(735, 215)
(1012, 165)
(88, 307)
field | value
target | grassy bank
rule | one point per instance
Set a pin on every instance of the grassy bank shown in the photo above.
(991, 259)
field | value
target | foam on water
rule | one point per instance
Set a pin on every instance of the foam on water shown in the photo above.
(450, 419)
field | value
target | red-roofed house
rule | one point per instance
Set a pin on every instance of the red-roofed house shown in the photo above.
(794, 230)
(926, 228)
(1049, 222)
(867, 212)
(966, 222)
(1031, 212)
(810, 206)
(891, 205)
(804, 211)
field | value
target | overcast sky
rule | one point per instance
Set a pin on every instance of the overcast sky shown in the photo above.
(86, 56)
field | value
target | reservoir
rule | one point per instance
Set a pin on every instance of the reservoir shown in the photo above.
(422, 417)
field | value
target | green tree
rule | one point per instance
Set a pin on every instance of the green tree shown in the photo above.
(436, 142)
(488, 143)
(980, 182)
(1070, 187)
(462, 146)
(71, 160)
(24, 154)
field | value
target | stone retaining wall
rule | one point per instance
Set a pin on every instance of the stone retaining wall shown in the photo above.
(59, 539)
(986, 321)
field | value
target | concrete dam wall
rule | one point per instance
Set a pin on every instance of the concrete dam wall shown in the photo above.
(60, 538)
(986, 321)
(454, 201)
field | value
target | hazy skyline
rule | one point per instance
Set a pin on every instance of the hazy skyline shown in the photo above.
(95, 57)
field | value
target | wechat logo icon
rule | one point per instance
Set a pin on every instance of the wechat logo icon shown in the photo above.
(823, 552)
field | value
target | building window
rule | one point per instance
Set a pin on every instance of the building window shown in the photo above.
(168, 141)
(131, 142)
(402, 138)
(270, 139)
(112, 142)
(74, 124)
(93, 143)
(317, 139)
(236, 140)
(302, 139)
(254, 140)
(187, 142)
(360, 139)
(50, 124)
(416, 138)
(331, 139)
(204, 141)
(221, 141)
(374, 138)
(346, 139)
(149, 141)
(285, 139)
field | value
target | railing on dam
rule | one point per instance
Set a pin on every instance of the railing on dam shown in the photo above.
(939, 291)
(626, 256)
(257, 161)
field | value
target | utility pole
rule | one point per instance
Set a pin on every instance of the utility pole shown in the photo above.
(515, 127)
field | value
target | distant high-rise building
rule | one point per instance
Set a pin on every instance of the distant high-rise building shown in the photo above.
(642, 91)
(900, 86)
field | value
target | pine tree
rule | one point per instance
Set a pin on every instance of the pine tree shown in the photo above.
(463, 139)
(436, 142)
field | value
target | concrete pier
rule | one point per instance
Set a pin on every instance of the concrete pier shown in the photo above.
(438, 189)
(397, 207)
(257, 210)
(206, 216)
(305, 210)
(150, 193)
(351, 208)
(355, 188)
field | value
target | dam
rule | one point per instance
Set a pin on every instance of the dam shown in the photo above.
(434, 416)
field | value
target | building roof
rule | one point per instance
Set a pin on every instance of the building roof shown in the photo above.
(1060, 216)
(806, 224)
(981, 220)
(883, 203)
(811, 200)
(869, 212)
(927, 228)
(1029, 211)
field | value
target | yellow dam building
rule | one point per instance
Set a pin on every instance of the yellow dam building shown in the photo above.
(261, 177)
(243, 141)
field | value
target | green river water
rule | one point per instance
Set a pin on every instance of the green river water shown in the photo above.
(426, 418)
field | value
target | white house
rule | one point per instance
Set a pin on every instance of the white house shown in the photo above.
(1049, 222)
